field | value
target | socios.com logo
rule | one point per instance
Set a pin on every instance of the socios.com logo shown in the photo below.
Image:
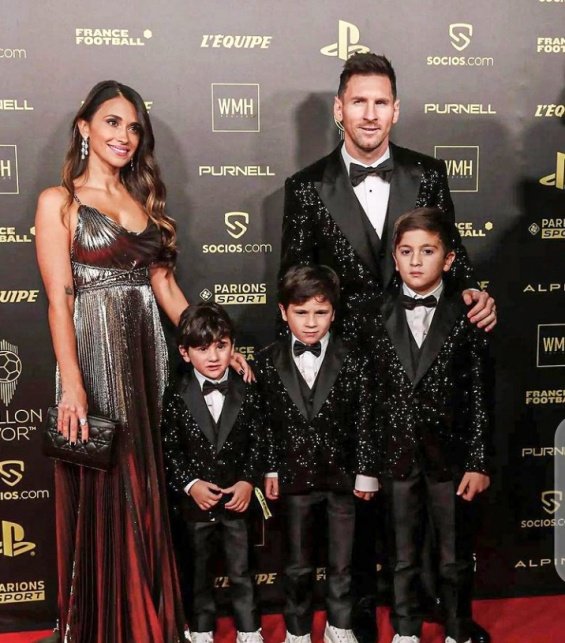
(551, 500)
(11, 472)
(460, 34)
(236, 223)
(347, 42)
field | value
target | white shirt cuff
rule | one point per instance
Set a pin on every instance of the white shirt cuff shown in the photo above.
(366, 483)
(272, 474)
(189, 485)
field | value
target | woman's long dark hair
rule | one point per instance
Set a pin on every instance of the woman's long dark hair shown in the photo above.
(143, 181)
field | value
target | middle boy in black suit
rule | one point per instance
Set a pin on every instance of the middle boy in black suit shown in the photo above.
(211, 426)
(317, 396)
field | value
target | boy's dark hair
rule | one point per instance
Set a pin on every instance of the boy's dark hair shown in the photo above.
(300, 283)
(202, 324)
(428, 219)
(366, 65)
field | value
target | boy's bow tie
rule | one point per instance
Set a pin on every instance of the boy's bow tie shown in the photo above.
(299, 348)
(410, 302)
(209, 387)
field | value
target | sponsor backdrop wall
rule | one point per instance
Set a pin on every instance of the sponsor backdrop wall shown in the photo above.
(240, 95)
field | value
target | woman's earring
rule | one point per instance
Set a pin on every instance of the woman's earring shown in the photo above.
(84, 148)
(131, 164)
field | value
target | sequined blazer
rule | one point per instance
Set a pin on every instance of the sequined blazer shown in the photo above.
(324, 223)
(437, 405)
(194, 446)
(321, 446)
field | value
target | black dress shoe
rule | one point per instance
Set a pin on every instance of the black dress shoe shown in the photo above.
(479, 634)
(364, 621)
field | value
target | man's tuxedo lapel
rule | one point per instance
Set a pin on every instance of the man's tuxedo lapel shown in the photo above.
(448, 310)
(331, 365)
(394, 319)
(339, 198)
(404, 190)
(282, 359)
(194, 400)
(230, 410)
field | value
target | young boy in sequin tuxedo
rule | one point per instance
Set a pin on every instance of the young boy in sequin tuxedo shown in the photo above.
(434, 366)
(317, 394)
(211, 430)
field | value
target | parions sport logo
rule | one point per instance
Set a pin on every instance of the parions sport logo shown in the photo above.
(23, 591)
(109, 36)
(460, 37)
(232, 294)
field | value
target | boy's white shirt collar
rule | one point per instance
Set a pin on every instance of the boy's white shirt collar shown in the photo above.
(323, 342)
(436, 292)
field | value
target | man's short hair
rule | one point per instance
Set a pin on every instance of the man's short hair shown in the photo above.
(366, 65)
(429, 219)
(302, 282)
(202, 324)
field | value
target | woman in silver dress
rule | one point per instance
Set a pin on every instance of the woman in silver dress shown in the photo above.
(106, 252)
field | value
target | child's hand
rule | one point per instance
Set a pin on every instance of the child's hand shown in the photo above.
(272, 488)
(206, 494)
(364, 495)
(241, 496)
(471, 484)
(240, 364)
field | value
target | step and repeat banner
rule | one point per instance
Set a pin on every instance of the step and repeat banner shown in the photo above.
(240, 94)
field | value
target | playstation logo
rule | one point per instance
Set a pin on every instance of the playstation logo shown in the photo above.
(347, 39)
(557, 179)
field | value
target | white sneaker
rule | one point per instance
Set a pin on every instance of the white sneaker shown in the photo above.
(293, 638)
(448, 639)
(338, 635)
(405, 639)
(250, 637)
(202, 637)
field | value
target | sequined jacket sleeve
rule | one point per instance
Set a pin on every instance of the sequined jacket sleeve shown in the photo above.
(367, 419)
(177, 466)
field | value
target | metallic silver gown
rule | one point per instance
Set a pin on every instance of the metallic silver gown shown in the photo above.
(117, 579)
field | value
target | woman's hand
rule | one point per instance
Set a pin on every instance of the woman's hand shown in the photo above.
(72, 410)
(240, 364)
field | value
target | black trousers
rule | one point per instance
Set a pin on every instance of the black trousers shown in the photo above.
(413, 504)
(298, 512)
(203, 544)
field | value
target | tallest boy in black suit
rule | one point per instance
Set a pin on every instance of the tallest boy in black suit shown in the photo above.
(341, 214)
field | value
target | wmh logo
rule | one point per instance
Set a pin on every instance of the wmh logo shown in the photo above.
(462, 164)
(235, 107)
(9, 169)
(551, 345)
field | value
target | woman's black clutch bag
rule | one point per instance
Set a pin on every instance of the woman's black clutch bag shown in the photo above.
(96, 453)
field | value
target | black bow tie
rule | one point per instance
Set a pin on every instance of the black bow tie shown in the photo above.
(358, 173)
(299, 348)
(410, 302)
(209, 387)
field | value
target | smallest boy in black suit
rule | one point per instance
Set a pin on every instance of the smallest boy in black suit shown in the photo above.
(317, 394)
(434, 365)
(210, 430)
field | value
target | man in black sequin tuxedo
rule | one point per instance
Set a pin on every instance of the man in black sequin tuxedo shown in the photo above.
(322, 445)
(211, 431)
(340, 212)
(435, 404)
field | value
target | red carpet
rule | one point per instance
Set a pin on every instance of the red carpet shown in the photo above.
(517, 620)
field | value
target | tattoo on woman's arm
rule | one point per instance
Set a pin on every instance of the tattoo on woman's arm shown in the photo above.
(69, 290)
